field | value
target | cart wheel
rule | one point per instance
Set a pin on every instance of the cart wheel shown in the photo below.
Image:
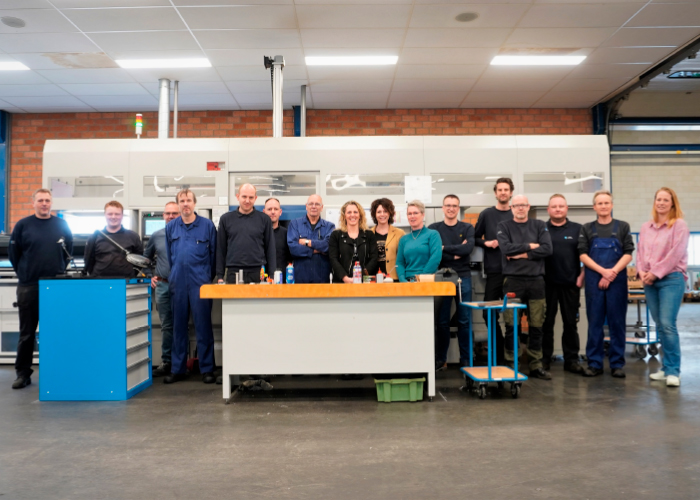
(482, 391)
(640, 351)
(515, 390)
(653, 349)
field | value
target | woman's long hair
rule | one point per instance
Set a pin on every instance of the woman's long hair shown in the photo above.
(343, 223)
(675, 213)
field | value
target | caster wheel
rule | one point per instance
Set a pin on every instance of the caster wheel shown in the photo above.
(482, 392)
(515, 390)
(653, 350)
(640, 351)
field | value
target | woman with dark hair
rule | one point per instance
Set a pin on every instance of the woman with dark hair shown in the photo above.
(352, 242)
(387, 236)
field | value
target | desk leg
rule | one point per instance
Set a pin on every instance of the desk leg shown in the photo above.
(226, 379)
(431, 384)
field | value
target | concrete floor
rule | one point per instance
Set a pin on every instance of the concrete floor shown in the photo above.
(314, 437)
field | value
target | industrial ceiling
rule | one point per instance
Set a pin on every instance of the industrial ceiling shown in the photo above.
(70, 47)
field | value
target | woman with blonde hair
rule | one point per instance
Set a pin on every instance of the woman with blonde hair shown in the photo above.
(662, 261)
(420, 251)
(352, 242)
(388, 236)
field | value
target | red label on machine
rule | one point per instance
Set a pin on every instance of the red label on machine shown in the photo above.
(213, 165)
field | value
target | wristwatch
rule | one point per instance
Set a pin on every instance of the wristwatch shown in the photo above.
(308, 243)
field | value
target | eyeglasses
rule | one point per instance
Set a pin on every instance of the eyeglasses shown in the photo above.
(171, 213)
(451, 206)
(520, 207)
(314, 205)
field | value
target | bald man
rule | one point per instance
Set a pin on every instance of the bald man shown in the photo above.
(308, 238)
(524, 244)
(245, 240)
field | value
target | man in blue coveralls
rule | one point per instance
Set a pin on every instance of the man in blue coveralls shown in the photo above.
(308, 238)
(606, 247)
(191, 246)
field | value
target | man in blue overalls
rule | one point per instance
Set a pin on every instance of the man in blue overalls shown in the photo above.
(308, 238)
(606, 247)
(191, 246)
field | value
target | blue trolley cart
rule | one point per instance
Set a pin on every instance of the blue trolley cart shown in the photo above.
(641, 335)
(478, 377)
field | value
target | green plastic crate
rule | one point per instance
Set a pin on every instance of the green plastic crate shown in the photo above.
(400, 389)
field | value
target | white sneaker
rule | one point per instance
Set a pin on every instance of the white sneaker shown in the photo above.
(660, 375)
(673, 381)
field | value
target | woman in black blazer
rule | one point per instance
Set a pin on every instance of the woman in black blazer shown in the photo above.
(351, 243)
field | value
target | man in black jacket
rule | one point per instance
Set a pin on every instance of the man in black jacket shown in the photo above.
(525, 243)
(273, 209)
(35, 252)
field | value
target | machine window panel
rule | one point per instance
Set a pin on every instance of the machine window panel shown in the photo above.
(277, 184)
(563, 182)
(99, 186)
(167, 186)
(365, 184)
(444, 184)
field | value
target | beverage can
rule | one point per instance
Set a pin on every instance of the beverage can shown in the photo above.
(278, 278)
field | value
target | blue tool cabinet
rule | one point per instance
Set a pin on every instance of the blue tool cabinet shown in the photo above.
(95, 339)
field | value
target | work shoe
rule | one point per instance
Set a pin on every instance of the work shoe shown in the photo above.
(174, 377)
(440, 366)
(163, 370)
(21, 382)
(546, 365)
(660, 375)
(673, 381)
(540, 373)
(208, 378)
(592, 372)
(574, 368)
(618, 373)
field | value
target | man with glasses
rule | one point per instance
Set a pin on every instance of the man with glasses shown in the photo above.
(525, 243)
(157, 247)
(457, 244)
(308, 238)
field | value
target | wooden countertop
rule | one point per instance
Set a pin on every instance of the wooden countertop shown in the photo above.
(305, 291)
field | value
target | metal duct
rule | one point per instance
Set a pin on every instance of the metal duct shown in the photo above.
(302, 117)
(276, 65)
(164, 108)
(175, 109)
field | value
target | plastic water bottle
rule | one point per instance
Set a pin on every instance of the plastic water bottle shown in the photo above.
(290, 274)
(380, 276)
(357, 273)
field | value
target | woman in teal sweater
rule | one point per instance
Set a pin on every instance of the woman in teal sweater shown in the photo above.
(420, 250)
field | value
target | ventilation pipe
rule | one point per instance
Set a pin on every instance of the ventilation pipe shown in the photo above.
(164, 108)
(276, 65)
(302, 114)
(175, 109)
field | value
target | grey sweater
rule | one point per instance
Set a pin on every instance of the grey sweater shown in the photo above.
(514, 238)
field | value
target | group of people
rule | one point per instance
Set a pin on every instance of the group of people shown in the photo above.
(543, 264)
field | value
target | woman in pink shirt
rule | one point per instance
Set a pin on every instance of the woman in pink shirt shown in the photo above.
(662, 260)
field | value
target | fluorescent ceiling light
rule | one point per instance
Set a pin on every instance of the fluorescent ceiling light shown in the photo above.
(352, 61)
(537, 60)
(163, 63)
(12, 66)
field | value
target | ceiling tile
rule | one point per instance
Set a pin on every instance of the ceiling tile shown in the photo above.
(357, 97)
(53, 101)
(66, 4)
(23, 78)
(583, 15)
(68, 109)
(371, 38)
(66, 60)
(132, 101)
(205, 100)
(137, 19)
(240, 17)
(251, 57)
(26, 4)
(578, 103)
(347, 2)
(455, 37)
(188, 87)
(107, 75)
(668, 14)
(231, 73)
(178, 3)
(37, 21)
(353, 16)
(579, 95)
(607, 70)
(521, 84)
(341, 51)
(157, 54)
(515, 73)
(428, 98)
(248, 39)
(11, 109)
(253, 86)
(351, 105)
(325, 86)
(181, 74)
(434, 85)
(421, 71)
(447, 56)
(145, 40)
(525, 98)
(558, 37)
(496, 15)
(651, 37)
(603, 84)
(104, 89)
(46, 42)
(350, 72)
(612, 55)
(31, 90)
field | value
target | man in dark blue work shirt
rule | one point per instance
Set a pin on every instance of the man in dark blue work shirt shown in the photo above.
(457, 244)
(273, 209)
(35, 252)
(191, 247)
(563, 280)
(245, 241)
(157, 247)
(308, 238)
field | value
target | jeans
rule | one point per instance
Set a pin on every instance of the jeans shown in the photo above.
(568, 297)
(165, 311)
(444, 315)
(530, 291)
(28, 304)
(493, 290)
(664, 299)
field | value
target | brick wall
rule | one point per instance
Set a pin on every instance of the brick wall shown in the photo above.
(29, 131)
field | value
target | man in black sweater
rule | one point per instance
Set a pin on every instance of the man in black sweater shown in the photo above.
(245, 240)
(525, 243)
(273, 210)
(35, 252)
(102, 257)
(485, 234)
(563, 281)
(457, 244)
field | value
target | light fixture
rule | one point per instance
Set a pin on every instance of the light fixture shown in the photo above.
(163, 63)
(351, 61)
(12, 66)
(537, 60)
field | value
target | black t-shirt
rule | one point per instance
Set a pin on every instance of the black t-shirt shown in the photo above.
(281, 249)
(452, 241)
(564, 265)
(486, 227)
(104, 260)
(381, 247)
(624, 235)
